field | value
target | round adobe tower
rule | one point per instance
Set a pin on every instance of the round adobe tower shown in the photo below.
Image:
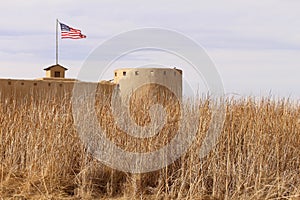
(129, 79)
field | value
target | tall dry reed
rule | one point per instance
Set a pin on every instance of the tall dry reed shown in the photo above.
(41, 156)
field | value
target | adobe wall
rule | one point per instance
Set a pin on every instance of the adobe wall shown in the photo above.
(18, 89)
(21, 88)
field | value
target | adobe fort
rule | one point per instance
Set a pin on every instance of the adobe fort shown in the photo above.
(125, 78)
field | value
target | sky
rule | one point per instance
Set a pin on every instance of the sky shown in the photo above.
(255, 45)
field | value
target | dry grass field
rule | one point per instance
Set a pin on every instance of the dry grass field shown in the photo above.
(41, 156)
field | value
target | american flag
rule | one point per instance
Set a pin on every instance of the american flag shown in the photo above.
(69, 32)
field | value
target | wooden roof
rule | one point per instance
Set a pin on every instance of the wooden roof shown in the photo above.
(57, 65)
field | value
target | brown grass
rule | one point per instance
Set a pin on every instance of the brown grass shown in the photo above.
(42, 157)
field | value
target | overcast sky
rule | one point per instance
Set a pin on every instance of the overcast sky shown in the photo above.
(255, 45)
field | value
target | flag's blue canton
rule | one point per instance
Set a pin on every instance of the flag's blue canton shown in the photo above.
(64, 27)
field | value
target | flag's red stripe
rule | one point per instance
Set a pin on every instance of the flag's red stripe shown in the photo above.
(72, 34)
(77, 36)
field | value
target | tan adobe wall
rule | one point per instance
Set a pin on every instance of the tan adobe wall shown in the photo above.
(21, 88)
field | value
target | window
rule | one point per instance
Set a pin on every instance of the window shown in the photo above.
(56, 74)
(136, 72)
(34, 84)
(124, 73)
(115, 73)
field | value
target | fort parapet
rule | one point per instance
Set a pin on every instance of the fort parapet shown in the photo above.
(126, 79)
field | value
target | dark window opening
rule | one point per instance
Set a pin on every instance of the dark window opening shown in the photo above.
(34, 84)
(9, 83)
(124, 73)
(22, 83)
(56, 74)
(49, 84)
(115, 73)
(136, 72)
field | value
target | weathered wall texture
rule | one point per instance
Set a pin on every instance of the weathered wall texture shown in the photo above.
(131, 78)
(22, 88)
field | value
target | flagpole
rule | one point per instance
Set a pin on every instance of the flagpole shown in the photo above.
(57, 41)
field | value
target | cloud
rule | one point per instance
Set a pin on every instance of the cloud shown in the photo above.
(261, 36)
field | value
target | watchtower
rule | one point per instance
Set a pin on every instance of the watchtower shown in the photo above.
(55, 71)
(129, 78)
